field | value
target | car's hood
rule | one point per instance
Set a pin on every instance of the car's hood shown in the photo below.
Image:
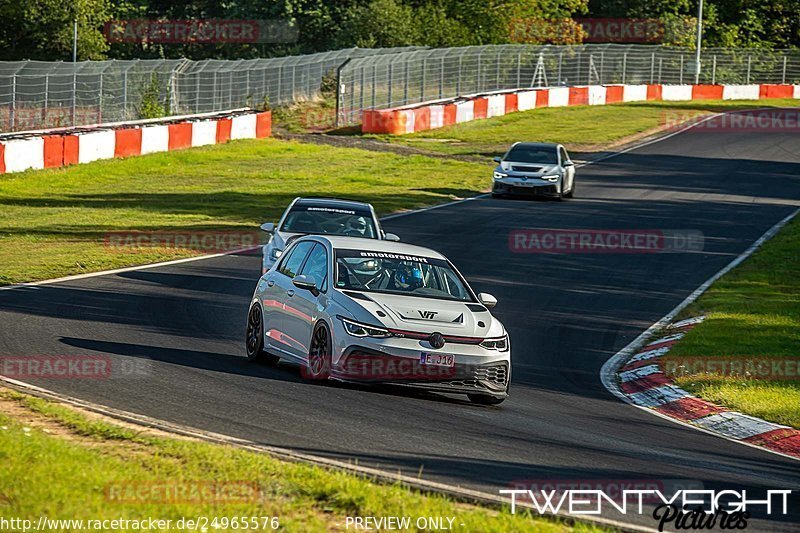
(527, 169)
(423, 315)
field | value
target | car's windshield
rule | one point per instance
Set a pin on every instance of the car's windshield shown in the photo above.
(330, 221)
(532, 154)
(391, 273)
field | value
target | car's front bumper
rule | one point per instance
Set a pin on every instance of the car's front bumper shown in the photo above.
(480, 372)
(526, 186)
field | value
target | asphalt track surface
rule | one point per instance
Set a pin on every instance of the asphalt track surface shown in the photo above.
(566, 314)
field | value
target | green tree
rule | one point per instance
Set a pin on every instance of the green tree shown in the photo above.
(42, 29)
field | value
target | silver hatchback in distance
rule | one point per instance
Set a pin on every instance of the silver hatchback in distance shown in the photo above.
(534, 169)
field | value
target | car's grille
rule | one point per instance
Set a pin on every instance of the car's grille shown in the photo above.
(516, 168)
(496, 375)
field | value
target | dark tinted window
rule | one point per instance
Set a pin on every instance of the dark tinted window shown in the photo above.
(317, 266)
(292, 263)
(330, 221)
(532, 154)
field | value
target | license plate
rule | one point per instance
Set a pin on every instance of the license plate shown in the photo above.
(528, 184)
(437, 359)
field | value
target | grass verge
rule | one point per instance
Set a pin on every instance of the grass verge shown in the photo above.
(65, 465)
(580, 128)
(56, 222)
(752, 314)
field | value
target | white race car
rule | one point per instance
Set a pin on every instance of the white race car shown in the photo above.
(378, 311)
(324, 216)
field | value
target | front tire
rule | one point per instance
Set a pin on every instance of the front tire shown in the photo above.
(318, 365)
(571, 192)
(254, 341)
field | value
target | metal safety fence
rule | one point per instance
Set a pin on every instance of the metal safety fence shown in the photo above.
(41, 94)
(391, 80)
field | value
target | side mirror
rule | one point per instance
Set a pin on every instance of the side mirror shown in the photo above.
(269, 227)
(391, 237)
(568, 164)
(497, 159)
(306, 282)
(487, 299)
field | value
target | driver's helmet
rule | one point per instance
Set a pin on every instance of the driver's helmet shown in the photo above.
(408, 276)
(356, 225)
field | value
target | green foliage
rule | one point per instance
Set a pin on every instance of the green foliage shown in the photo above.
(43, 29)
(152, 106)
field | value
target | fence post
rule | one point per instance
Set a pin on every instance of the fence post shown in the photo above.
(391, 82)
(214, 92)
(652, 67)
(681, 76)
(361, 89)
(714, 69)
(13, 117)
(749, 61)
(624, 66)
(458, 80)
(602, 61)
(422, 81)
(100, 101)
(280, 71)
(660, 69)
(46, 96)
(441, 80)
(339, 95)
(374, 80)
(405, 82)
(497, 75)
(783, 77)
(519, 69)
(74, 92)
(478, 79)
(560, 59)
(247, 86)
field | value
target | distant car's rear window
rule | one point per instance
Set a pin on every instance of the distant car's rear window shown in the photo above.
(532, 154)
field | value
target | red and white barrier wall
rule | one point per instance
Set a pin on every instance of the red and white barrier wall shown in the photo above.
(430, 115)
(56, 148)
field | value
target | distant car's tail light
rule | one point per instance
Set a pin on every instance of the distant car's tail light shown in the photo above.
(357, 329)
(500, 344)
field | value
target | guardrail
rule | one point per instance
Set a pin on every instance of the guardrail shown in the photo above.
(68, 146)
(393, 80)
(439, 113)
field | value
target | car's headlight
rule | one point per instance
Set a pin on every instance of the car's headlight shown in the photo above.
(275, 253)
(500, 175)
(552, 177)
(357, 329)
(500, 344)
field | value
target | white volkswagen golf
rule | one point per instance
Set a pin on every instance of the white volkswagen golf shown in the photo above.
(378, 311)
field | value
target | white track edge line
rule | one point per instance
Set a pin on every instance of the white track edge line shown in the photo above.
(610, 368)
